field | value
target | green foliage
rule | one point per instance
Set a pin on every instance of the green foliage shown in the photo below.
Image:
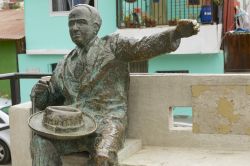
(12, 5)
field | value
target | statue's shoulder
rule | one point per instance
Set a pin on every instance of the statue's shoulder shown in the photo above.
(111, 37)
(110, 41)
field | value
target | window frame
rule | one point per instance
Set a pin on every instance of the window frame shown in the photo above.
(191, 5)
(64, 13)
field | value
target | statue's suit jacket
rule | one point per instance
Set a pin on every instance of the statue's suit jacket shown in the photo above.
(95, 79)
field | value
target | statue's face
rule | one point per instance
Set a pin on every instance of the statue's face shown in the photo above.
(81, 27)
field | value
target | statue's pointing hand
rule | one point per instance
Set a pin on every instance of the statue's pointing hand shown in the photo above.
(187, 28)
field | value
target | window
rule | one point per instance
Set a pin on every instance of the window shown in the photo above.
(180, 118)
(66, 5)
(53, 66)
(172, 71)
(193, 2)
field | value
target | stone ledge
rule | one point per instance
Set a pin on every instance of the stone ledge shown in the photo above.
(174, 156)
(131, 146)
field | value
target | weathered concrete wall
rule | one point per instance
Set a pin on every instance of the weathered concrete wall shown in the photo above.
(20, 135)
(150, 119)
(221, 109)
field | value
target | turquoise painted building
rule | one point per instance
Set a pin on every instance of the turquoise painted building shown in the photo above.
(48, 40)
(192, 63)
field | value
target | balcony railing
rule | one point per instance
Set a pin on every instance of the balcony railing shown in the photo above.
(149, 13)
(14, 83)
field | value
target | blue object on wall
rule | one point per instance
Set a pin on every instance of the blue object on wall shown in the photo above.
(206, 14)
(76, 2)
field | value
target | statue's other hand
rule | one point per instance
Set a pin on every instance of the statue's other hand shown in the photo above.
(41, 87)
(187, 28)
(101, 161)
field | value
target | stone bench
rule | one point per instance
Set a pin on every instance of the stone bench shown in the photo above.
(226, 96)
(21, 136)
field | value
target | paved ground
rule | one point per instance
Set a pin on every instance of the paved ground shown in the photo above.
(162, 156)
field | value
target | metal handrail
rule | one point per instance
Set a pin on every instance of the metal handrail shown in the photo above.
(15, 83)
(139, 13)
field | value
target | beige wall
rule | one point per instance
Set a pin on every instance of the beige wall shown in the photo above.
(151, 96)
(20, 135)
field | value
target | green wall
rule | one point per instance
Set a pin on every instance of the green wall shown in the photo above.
(44, 31)
(8, 64)
(37, 63)
(107, 10)
(197, 63)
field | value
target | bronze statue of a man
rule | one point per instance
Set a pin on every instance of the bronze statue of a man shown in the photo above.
(94, 78)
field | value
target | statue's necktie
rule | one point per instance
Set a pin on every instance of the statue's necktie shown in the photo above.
(79, 61)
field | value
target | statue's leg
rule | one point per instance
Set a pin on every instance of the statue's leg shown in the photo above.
(47, 152)
(44, 153)
(110, 137)
(112, 160)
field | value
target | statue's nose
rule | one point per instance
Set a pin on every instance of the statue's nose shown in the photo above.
(74, 26)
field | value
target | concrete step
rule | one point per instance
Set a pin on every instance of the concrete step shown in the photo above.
(131, 146)
(171, 156)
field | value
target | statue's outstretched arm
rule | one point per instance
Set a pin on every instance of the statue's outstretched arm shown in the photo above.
(150, 46)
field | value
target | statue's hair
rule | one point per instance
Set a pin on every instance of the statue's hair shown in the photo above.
(93, 13)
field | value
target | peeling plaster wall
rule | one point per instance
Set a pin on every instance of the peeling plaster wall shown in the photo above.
(221, 109)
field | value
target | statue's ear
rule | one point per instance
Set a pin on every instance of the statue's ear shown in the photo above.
(96, 27)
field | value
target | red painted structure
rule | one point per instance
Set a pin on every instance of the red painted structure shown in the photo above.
(229, 13)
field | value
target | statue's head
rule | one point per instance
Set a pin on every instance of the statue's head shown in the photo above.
(84, 24)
